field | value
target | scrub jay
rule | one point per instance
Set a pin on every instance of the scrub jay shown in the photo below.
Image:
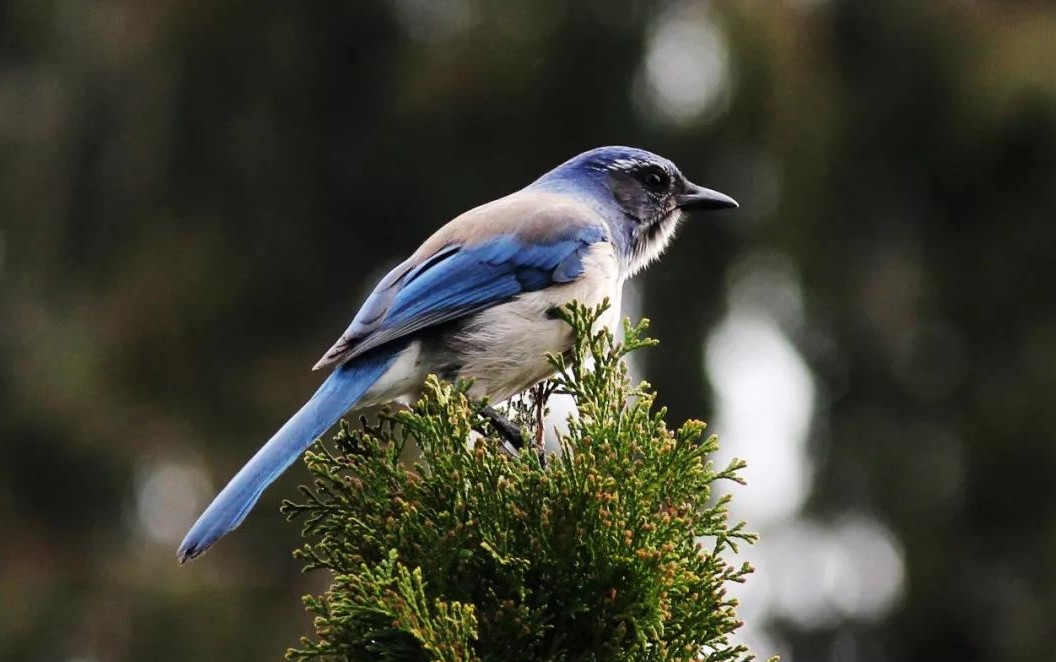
(474, 301)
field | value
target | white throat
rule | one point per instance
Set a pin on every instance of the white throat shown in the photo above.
(652, 245)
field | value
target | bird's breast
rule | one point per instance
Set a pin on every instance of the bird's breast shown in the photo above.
(504, 348)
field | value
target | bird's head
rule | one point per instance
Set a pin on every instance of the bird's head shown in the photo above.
(641, 195)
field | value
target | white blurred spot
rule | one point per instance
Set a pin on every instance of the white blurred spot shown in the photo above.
(169, 496)
(560, 406)
(811, 574)
(765, 393)
(433, 20)
(869, 578)
(802, 567)
(820, 574)
(686, 72)
(765, 399)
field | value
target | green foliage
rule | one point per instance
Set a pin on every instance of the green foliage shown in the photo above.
(612, 549)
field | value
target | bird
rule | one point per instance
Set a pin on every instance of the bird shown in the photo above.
(477, 301)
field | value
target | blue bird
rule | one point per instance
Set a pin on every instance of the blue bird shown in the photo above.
(473, 301)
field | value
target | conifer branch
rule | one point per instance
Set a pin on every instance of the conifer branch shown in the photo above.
(615, 549)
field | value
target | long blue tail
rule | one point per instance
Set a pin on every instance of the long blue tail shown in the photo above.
(341, 390)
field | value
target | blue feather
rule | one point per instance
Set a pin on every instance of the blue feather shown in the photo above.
(341, 390)
(461, 280)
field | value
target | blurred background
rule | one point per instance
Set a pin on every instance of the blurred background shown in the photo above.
(195, 197)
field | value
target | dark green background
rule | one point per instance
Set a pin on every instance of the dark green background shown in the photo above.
(194, 197)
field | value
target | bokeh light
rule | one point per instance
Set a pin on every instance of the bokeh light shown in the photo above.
(686, 71)
(809, 573)
(169, 496)
(764, 391)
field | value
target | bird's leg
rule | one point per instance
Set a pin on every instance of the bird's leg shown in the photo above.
(539, 396)
(513, 442)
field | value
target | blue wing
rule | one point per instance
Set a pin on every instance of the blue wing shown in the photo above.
(459, 280)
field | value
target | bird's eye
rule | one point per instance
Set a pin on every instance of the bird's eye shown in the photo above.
(655, 181)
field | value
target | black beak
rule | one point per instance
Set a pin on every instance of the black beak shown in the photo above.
(698, 197)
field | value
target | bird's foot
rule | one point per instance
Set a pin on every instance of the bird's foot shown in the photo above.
(512, 440)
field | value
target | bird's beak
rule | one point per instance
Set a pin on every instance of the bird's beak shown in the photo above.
(698, 197)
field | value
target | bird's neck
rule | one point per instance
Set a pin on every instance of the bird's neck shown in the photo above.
(633, 252)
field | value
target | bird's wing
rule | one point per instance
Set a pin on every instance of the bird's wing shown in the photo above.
(483, 258)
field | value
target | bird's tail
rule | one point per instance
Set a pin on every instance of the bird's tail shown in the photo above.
(341, 390)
